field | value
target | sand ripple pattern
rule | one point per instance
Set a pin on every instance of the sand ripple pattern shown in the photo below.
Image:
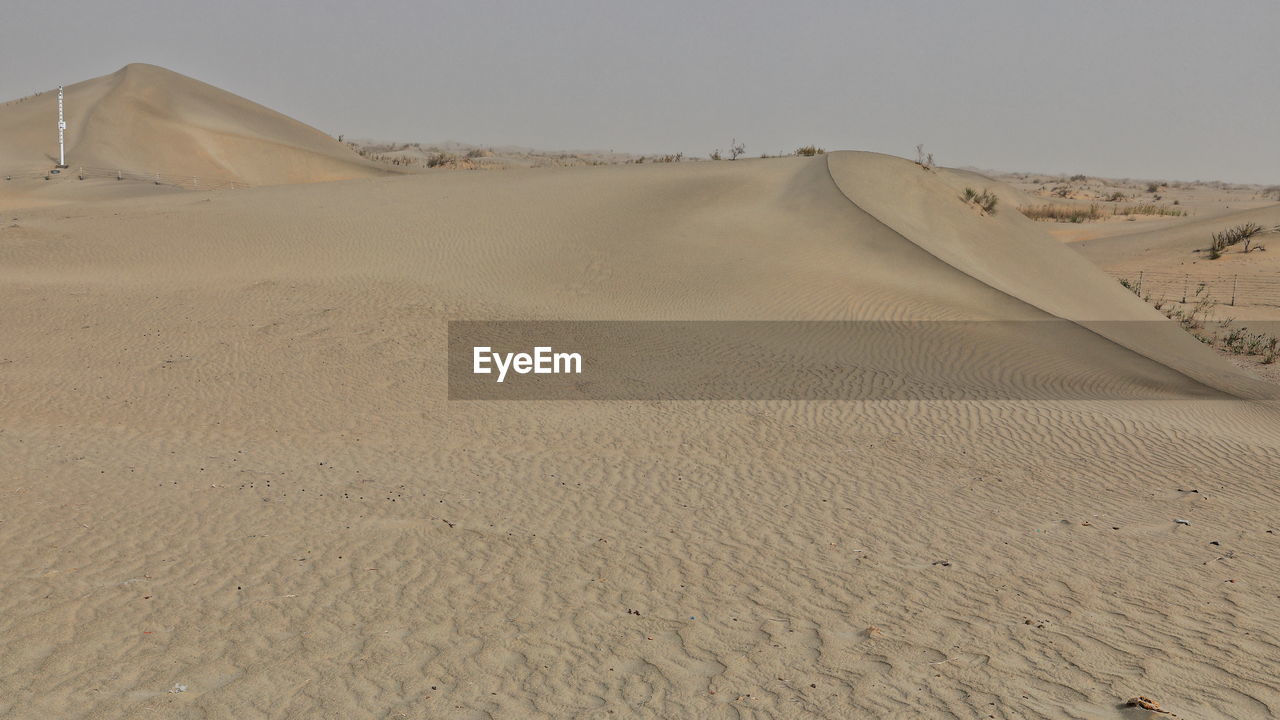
(232, 486)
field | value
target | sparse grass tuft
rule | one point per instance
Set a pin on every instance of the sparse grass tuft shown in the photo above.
(985, 200)
(1062, 213)
(1148, 209)
(1194, 318)
(1270, 351)
(809, 151)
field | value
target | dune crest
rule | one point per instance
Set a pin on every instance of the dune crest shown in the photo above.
(146, 119)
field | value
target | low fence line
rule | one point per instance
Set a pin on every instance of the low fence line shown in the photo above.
(82, 172)
(1227, 288)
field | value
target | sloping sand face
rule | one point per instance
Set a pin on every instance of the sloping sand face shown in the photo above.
(144, 119)
(235, 487)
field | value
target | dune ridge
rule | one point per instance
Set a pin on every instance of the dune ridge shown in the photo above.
(1012, 254)
(146, 119)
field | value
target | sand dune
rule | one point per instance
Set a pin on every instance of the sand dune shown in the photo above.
(1176, 245)
(146, 119)
(235, 488)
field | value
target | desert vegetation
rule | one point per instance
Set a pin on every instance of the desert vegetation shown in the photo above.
(985, 201)
(736, 149)
(1147, 209)
(1063, 213)
(442, 160)
(1060, 212)
(1239, 341)
(460, 156)
(1244, 233)
(1197, 318)
(809, 151)
(924, 159)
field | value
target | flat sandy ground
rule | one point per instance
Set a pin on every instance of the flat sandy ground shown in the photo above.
(233, 486)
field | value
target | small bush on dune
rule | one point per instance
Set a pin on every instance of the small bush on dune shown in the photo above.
(1195, 317)
(1242, 342)
(736, 149)
(1270, 350)
(924, 159)
(985, 200)
(1239, 341)
(1220, 241)
(809, 151)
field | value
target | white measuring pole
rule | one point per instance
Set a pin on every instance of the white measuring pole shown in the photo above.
(62, 126)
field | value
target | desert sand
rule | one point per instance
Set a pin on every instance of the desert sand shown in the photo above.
(234, 485)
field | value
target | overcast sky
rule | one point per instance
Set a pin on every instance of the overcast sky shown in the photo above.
(1158, 89)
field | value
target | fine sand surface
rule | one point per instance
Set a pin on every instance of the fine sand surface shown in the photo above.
(233, 486)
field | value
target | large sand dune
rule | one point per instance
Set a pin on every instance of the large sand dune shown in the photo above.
(146, 119)
(234, 487)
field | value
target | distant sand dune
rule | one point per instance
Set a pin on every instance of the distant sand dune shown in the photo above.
(146, 119)
(1168, 247)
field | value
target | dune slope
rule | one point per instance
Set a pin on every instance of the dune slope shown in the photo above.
(146, 119)
(234, 486)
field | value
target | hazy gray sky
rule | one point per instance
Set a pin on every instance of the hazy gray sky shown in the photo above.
(1156, 89)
